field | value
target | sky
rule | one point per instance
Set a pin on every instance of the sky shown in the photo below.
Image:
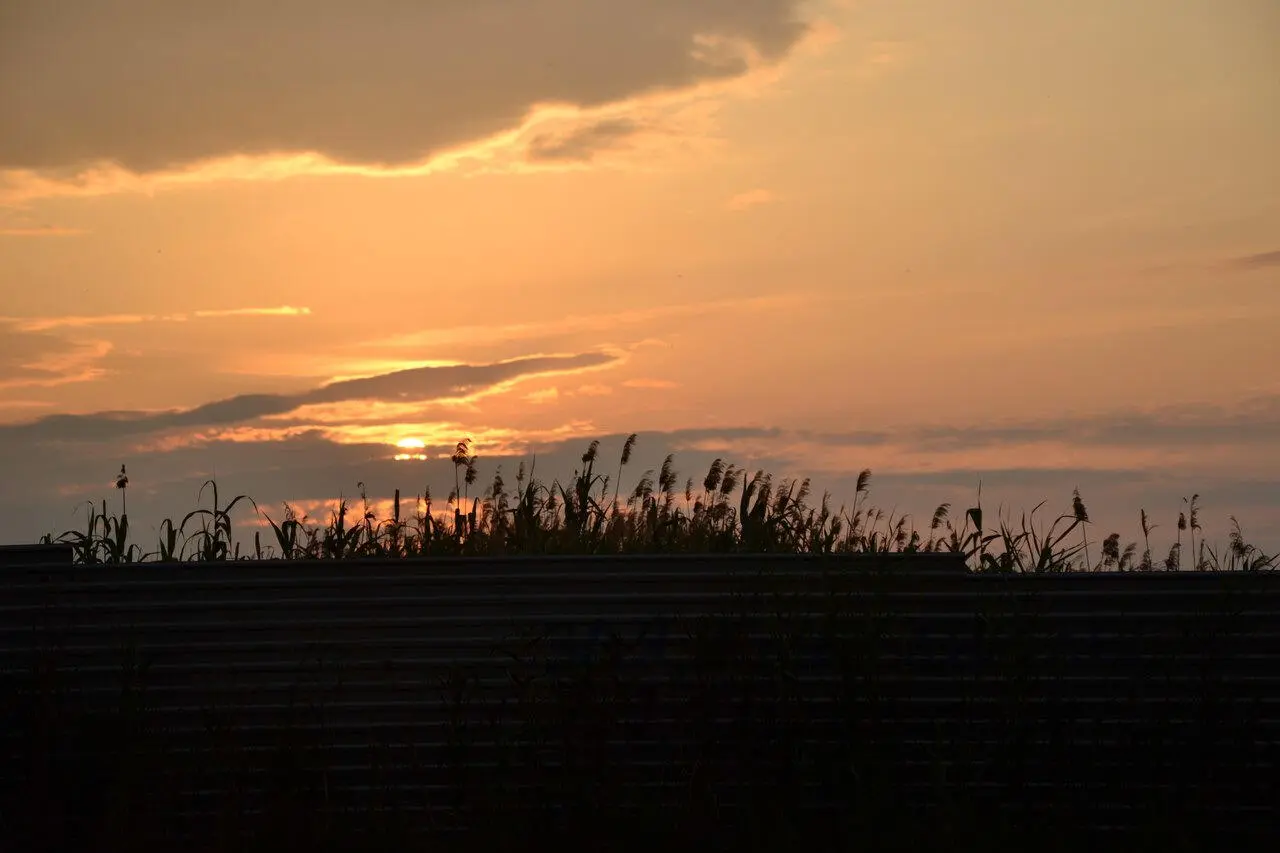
(1031, 246)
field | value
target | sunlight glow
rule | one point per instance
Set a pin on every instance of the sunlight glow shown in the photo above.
(413, 450)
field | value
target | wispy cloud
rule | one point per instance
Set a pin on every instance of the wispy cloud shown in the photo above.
(543, 395)
(579, 323)
(40, 231)
(76, 321)
(750, 199)
(279, 311)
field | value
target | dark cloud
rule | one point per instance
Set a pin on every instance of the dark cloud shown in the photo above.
(422, 383)
(153, 83)
(582, 143)
(690, 436)
(1256, 420)
(854, 438)
(1258, 261)
(1253, 421)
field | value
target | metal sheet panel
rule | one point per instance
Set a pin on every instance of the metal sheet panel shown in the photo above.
(25, 555)
(450, 689)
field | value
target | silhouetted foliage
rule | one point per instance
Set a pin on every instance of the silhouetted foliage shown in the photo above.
(734, 511)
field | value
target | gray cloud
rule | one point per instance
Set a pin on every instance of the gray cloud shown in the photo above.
(1256, 420)
(151, 84)
(422, 383)
(1258, 261)
(582, 143)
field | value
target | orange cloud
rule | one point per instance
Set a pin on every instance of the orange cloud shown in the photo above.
(367, 411)
(545, 395)
(437, 439)
(281, 311)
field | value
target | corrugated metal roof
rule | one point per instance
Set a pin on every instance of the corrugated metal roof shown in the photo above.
(846, 683)
(20, 555)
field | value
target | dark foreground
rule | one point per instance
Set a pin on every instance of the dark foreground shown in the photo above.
(746, 702)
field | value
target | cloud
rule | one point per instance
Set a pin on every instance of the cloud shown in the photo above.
(1206, 441)
(76, 321)
(280, 311)
(39, 231)
(582, 143)
(1160, 433)
(151, 85)
(414, 384)
(544, 395)
(1258, 261)
(1255, 420)
(749, 199)
(576, 323)
(33, 358)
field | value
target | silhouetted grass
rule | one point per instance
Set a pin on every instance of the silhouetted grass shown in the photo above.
(730, 510)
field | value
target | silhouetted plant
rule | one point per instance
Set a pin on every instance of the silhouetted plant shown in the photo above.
(591, 514)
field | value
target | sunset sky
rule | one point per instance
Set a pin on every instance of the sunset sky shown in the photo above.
(1031, 244)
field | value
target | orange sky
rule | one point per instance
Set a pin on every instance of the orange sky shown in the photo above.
(1034, 244)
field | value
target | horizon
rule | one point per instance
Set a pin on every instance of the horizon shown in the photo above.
(1029, 247)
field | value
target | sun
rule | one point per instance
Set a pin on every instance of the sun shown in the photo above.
(411, 449)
